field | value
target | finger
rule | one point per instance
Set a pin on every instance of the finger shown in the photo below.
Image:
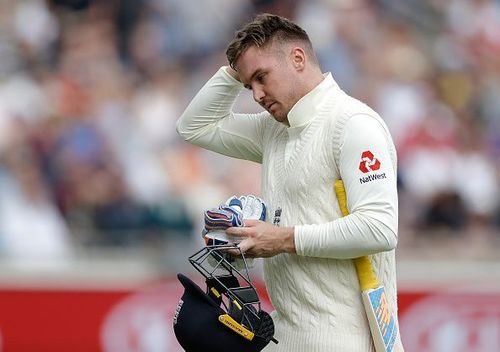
(251, 222)
(234, 252)
(244, 249)
(245, 245)
(238, 231)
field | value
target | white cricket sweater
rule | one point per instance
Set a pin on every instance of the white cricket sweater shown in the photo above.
(315, 292)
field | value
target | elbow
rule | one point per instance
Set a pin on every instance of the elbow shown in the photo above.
(182, 131)
(391, 242)
(383, 243)
(179, 129)
(386, 236)
(384, 229)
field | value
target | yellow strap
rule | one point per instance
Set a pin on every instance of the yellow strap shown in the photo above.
(366, 275)
(236, 327)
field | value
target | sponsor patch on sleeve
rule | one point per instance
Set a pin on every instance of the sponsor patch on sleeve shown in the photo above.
(369, 163)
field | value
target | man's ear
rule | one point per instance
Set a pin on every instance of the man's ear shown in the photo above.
(298, 57)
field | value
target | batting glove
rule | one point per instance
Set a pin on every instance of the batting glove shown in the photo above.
(253, 207)
(232, 213)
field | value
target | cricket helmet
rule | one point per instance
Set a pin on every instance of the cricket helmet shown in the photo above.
(228, 315)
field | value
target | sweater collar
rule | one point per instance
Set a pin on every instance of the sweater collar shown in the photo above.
(307, 107)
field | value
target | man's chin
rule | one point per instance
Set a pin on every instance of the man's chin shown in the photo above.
(281, 119)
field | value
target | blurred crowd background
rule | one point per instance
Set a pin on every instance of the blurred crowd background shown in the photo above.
(90, 92)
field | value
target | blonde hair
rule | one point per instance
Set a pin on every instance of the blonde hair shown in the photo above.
(264, 29)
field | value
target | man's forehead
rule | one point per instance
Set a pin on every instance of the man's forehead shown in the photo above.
(254, 58)
(250, 55)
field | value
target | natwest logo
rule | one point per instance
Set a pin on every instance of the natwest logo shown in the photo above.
(368, 162)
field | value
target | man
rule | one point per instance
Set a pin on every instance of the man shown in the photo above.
(310, 135)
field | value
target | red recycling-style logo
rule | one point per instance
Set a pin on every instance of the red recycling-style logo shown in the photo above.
(368, 162)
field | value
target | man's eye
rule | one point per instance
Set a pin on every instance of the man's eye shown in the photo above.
(260, 78)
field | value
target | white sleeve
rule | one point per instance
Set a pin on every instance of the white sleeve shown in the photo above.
(208, 121)
(370, 184)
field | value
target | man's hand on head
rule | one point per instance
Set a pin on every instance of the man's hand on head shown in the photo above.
(263, 240)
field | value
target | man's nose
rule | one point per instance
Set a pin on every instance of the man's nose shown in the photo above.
(258, 94)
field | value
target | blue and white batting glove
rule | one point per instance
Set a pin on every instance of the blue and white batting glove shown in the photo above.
(217, 220)
(232, 213)
(226, 215)
(253, 208)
